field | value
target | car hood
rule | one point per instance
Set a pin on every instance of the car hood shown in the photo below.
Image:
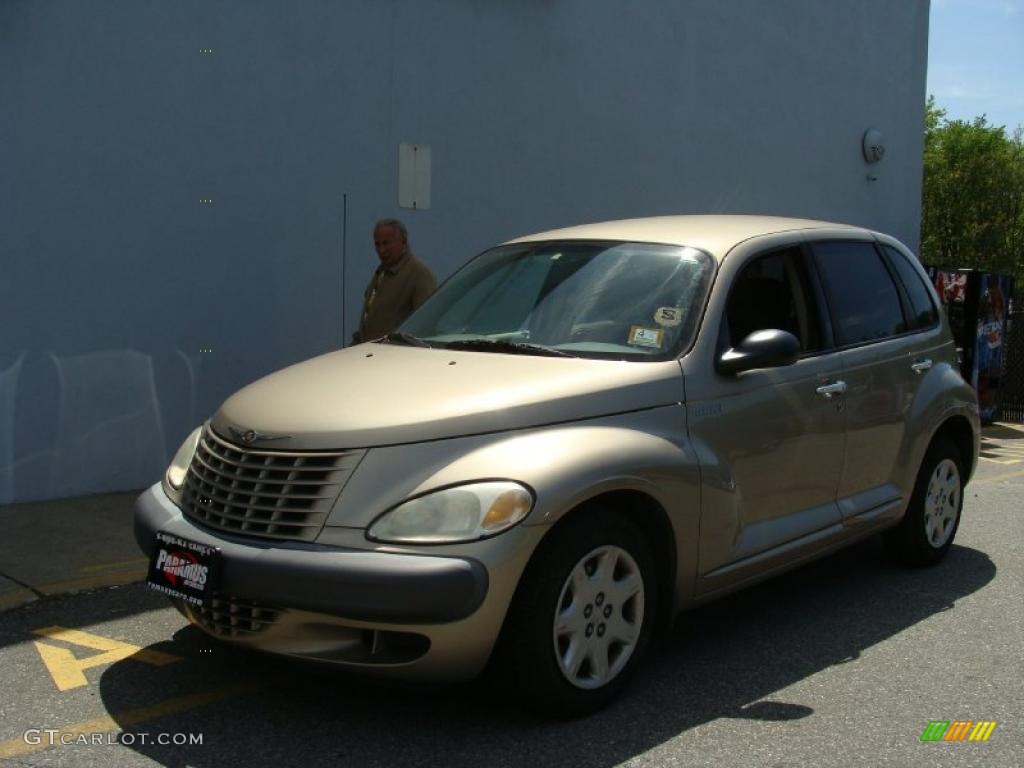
(381, 394)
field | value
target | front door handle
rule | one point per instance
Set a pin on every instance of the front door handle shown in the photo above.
(920, 366)
(833, 388)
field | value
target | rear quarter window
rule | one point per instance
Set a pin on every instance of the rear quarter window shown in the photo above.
(925, 314)
(864, 302)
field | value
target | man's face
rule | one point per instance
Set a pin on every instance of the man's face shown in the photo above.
(389, 244)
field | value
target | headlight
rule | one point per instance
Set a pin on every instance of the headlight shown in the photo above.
(463, 513)
(179, 465)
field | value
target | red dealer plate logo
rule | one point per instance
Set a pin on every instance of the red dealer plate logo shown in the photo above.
(183, 569)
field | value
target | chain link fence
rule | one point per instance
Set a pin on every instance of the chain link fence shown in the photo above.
(1013, 370)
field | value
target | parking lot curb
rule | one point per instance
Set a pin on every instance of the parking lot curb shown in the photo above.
(14, 595)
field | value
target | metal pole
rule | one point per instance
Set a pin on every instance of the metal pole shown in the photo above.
(344, 253)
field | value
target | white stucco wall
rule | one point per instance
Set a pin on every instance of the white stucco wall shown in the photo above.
(539, 113)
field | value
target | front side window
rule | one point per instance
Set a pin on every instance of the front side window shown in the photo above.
(636, 301)
(862, 296)
(773, 291)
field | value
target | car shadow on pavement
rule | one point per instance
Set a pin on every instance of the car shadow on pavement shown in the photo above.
(1001, 432)
(724, 660)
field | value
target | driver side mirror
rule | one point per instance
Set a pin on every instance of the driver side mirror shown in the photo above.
(767, 348)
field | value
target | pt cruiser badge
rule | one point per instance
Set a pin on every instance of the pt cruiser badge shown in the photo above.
(250, 435)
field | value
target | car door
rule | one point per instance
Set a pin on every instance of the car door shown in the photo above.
(770, 441)
(879, 334)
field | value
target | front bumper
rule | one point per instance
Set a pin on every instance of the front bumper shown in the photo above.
(432, 616)
(355, 584)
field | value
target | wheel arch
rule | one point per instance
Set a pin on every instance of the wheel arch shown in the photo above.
(644, 511)
(524, 660)
(958, 430)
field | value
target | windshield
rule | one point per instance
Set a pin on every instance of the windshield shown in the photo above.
(636, 301)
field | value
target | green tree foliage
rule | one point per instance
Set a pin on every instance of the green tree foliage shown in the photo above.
(973, 203)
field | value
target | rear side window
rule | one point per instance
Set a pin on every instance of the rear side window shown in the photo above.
(925, 315)
(863, 299)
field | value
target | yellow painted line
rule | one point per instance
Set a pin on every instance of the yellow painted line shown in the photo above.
(109, 723)
(107, 579)
(997, 478)
(68, 670)
(17, 597)
(999, 461)
(136, 562)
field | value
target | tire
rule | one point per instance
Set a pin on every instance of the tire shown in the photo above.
(926, 532)
(582, 616)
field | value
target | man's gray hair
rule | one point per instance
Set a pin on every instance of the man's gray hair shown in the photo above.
(396, 224)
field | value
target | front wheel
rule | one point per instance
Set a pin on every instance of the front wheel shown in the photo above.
(933, 515)
(582, 615)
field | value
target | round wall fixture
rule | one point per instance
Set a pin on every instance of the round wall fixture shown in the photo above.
(873, 145)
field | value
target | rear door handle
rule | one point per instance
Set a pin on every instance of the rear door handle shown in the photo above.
(834, 388)
(920, 366)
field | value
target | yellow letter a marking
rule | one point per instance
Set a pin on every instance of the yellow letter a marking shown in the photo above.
(68, 671)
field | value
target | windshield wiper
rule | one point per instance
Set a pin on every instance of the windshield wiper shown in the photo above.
(406, 338)
(504, 345)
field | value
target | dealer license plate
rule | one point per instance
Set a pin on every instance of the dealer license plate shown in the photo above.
(184, 569)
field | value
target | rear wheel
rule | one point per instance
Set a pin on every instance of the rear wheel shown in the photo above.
(933, 515)
(582, 616)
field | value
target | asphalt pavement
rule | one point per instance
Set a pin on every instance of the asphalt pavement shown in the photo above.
(57, 547)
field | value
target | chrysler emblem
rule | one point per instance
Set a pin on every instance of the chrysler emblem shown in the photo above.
(250, 435)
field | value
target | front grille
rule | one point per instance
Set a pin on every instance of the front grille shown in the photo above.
(233, 616)
(272, 494)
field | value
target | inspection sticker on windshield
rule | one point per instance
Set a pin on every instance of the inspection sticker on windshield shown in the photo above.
(646, 337)
(668, 317)
(183, 569)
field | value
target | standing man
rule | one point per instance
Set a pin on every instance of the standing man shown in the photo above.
(401, 283)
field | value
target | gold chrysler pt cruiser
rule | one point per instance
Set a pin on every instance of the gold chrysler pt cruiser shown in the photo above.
(582, 433)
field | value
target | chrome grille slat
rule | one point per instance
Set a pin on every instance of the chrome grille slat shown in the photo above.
(279, 464)
(203, 479)
(285, 495)
(242, 517)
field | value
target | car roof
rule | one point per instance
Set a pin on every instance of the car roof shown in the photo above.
(716, 234)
